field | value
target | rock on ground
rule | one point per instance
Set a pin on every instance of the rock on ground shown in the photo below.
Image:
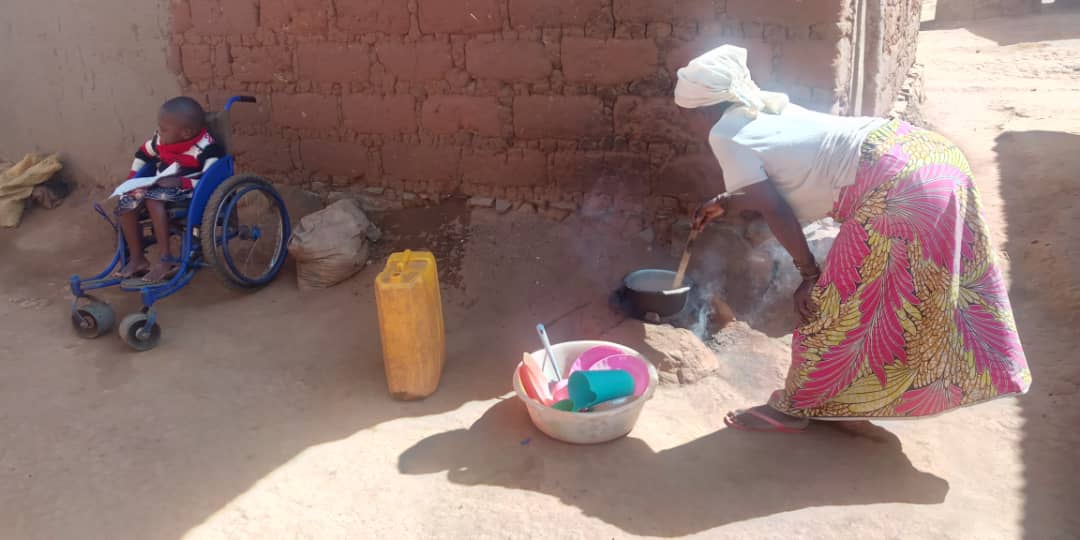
(748, 358)
(679, 356)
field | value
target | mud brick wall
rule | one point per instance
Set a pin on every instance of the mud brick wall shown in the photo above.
(552, 102)
(82, 79)
(892, 35)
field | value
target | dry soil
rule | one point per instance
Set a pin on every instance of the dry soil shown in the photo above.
(266, 415)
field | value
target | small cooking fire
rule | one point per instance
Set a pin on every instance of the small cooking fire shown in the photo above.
(647, 295)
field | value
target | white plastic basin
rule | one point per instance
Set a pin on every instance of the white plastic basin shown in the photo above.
(590, 427)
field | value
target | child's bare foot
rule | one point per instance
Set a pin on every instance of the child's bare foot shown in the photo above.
(160, 272)
(134, 268)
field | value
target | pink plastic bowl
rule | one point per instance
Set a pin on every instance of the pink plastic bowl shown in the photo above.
(611, 358)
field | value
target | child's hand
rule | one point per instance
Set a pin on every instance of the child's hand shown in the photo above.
(168, 182)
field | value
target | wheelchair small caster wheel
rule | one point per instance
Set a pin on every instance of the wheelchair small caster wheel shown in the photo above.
(93, 320)
(134, 332)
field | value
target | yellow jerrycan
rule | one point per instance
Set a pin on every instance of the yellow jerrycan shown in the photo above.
(411, 324)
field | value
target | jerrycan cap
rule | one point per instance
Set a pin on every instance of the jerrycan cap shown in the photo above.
(398, 269)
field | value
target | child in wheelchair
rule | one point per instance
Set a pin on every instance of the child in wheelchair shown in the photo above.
(182, 147)
(184, 180)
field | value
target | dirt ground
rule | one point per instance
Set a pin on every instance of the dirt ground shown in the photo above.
(266, 415)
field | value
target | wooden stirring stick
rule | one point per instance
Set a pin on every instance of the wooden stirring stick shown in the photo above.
(685, 262)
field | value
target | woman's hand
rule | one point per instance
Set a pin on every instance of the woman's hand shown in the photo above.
(804, 304)
(710, 210)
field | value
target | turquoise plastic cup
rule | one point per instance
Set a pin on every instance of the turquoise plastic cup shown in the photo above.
(587, 388)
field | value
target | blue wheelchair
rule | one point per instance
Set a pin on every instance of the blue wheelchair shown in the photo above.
(236, 224)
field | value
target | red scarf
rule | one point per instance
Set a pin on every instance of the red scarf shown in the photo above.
(176, 152)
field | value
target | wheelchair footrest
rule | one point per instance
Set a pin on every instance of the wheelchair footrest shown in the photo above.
(138, 284)
(134, 284)
(91, 284)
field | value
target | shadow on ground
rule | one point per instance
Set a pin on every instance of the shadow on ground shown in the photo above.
(1002, 30)
(1042, 232)
(97, 440)
(721, 478)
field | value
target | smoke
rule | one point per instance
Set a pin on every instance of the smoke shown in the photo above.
(711, 270)
(736, 279)
(770, 278)
(773, 256)
(702, 308)
(606, 230)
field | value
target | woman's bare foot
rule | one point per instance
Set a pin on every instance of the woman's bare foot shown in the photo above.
(765, 418)
(160, 271)
(133, 268)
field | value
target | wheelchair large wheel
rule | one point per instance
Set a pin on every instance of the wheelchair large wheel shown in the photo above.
(245, 232)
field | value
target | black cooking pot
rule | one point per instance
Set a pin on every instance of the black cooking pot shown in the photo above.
(649, 291)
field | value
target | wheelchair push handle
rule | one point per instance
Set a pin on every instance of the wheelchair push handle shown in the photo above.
(242, 99)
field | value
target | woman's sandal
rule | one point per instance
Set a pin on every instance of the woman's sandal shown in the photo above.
(775, 425)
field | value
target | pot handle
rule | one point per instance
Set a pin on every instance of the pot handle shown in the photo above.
(618, 297)
(675, 292)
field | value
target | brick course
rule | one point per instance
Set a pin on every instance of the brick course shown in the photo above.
(421, 162)
(785, 11)
(608, 61)
(615, 173)
(516, 168)
(560, 117)
(557, 13)
(646, 11)
(460, 16)
(196, 62)
(305, 111)
(808, 63)
(424, 61)
(268, 154)
(224, 17)
(332, 62)
(387, 16)
(508, 60)
(379, 115)
(446, 115)
(336, 158)
(295, 16)
(539, 100)
(262, 64)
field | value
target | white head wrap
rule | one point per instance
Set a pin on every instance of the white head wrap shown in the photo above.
(721, 76)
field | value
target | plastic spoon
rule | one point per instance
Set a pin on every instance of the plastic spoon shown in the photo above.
(611, 405)
(547, 348)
